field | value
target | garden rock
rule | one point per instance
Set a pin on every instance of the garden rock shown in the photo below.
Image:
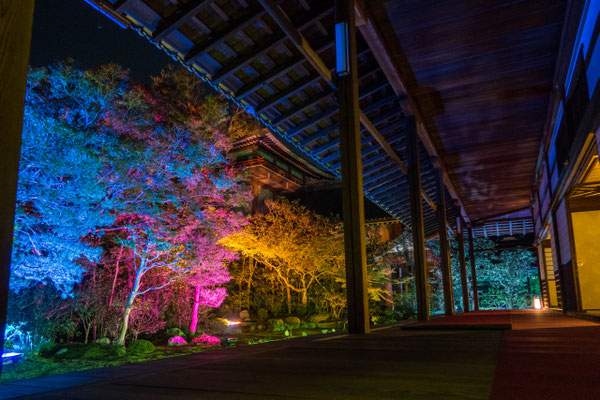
(103, 341)
(327, 325)
(292, 322)
(244, 315)
(318, 318)
(61, 352)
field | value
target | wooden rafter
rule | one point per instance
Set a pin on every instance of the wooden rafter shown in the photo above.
(219, 37)
(122, 5)
(381, 51)
(275, 73)
(170, 24)
(278, 39)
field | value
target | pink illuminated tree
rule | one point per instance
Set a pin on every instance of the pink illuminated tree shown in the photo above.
(176, 195)
(210, 270)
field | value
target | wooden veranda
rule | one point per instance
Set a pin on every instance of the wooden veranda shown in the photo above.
(433, 110)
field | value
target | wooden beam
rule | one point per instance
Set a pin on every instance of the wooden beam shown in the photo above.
(313, 58)
(275, 73)
(382, 142)
(220, 36)
(416, 213)
(281, 18)
(445, 263)
(297, 109)
(299, 85)
(326, 113)
(352, 190)
(123, 5)
(333, 127)
(279, 38)
(181, 16)
(473, 271)
(464, 284)
(15, 37)
(399, 80)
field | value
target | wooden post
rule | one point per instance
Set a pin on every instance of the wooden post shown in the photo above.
(416, 211)
(462, 263)
(352, 186)
(539, 250)
(15, 36)
(444, 245)
(473, 272)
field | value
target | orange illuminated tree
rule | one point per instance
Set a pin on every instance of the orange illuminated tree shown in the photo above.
(299, 249)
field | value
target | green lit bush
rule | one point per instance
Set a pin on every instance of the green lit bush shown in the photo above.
(141, 346)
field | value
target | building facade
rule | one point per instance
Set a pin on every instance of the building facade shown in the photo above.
(565, 201)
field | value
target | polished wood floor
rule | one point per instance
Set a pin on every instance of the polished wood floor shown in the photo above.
(539, 355)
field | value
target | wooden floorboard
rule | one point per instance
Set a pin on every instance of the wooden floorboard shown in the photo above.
(546, 355)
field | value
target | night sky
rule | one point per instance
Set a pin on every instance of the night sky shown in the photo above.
(72, 28)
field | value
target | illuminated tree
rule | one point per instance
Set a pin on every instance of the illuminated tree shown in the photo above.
(300, 248)
(137, 175)
(61, 191)
(504, 277)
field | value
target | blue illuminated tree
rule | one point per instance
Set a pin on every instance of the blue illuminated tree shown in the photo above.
(61, 192)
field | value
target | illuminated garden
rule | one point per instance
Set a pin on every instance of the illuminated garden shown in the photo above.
(135, 237)
(299, 199)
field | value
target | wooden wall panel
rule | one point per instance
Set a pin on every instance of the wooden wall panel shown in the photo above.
(562, 224)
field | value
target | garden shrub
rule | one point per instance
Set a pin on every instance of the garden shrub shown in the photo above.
(118, 349)
(276, 325)
(16, 337)
(94, 351)
(174, 332)
(215, 327)
(207, 340)
(263, 314)
(141, 346)
(292, 322)
(308, 325)
(177, 341)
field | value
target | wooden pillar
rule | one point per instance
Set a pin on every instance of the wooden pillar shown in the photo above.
(473, 272)
(15, 35)
(539, 254)
(351, 162)
(462, 263)
(444, 246)
(416, 211)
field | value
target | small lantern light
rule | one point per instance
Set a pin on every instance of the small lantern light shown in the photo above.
(537, 303)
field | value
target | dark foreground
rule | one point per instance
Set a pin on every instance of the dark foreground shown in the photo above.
(544, 356)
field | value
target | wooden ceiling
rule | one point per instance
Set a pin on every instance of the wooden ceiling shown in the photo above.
(484, 69)
(479, 70)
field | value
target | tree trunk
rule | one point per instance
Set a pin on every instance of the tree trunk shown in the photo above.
(112, 290)
(194, 323)
(127, 313)
(304, 302)
(289, 300)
